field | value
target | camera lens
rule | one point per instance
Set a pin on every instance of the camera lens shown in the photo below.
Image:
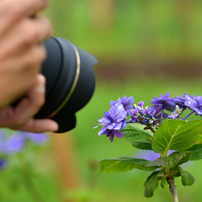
(70, 82)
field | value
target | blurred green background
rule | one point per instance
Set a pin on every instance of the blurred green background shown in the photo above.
(144, 49)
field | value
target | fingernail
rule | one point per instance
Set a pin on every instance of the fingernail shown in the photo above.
(54, 127)
(41, 89)
(41, 83)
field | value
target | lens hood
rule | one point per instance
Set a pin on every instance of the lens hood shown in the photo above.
(70, 82)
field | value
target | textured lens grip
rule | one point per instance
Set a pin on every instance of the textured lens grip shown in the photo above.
(52, 67)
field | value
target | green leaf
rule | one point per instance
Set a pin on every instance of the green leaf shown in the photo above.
(196, 152)
(160, 162)
(178, 158)
(171, 161)
(163, 182)
(176, 135)
(123, 164)
(151, 184)
(144, 145)
(187, 178)
(199, 140)
(134, 134)
(175, 172)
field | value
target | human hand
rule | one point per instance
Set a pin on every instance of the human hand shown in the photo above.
(21, 52)
(20, 117)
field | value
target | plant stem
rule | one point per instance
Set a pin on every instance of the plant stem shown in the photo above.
(188, 115)
(173, 188)
(150, 127)
(31, 189)
(27, 181)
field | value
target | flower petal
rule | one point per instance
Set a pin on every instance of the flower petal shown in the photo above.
(102, 131)
(118, 134)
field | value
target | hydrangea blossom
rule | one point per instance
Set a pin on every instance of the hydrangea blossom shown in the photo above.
(162, 103)
(126, 102)
(113, 121)
(150, 155)
(143, 115)
(194, 104)
(176, 114)
(152, 117)
(14, 143)
(165, 146)
(112, 133)
(2, 163)
(180, 101)
(36, 138)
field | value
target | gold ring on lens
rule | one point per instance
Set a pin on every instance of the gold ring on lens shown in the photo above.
(73, 85)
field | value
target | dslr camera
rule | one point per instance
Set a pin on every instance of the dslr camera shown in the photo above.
(70, 82)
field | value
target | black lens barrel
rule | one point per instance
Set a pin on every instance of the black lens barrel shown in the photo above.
(70, 82)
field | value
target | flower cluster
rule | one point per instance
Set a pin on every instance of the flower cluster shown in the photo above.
(14, 143)
(161, 104)
(142, 115)
(11, 144)
(115, 119)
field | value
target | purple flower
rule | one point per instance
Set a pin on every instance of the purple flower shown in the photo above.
(150, 155)
(140, 104)
(180, 101)
(134, 115)
(161, 103)
(150, 111)
(194, 104)
(143, 115)
(112, 133)
(113, 121)
(164, 102)
(36, 138)
(3, 163)
(126, 102)
(176, 114)
(147, 154)
(2, 135)
(13, 144)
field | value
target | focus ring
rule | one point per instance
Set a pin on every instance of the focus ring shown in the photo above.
(73, 85)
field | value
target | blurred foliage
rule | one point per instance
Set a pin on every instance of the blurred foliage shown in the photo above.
(140, 39)
(133, 30)
(24, 176)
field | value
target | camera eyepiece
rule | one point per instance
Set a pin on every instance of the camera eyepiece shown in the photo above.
(70, 82)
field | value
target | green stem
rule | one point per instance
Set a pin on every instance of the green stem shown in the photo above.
(173, 188)
(27, 181)
(31, 189)
(152, 129)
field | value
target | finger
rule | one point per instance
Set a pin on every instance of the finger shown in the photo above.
(30, 105)
(29, 7)
(14, 10)
(20, 72)
(38, 126)
(32, 125)
(25, 35)
(31, 59)
(34, 30)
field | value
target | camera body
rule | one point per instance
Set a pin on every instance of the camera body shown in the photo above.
(70, 82)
